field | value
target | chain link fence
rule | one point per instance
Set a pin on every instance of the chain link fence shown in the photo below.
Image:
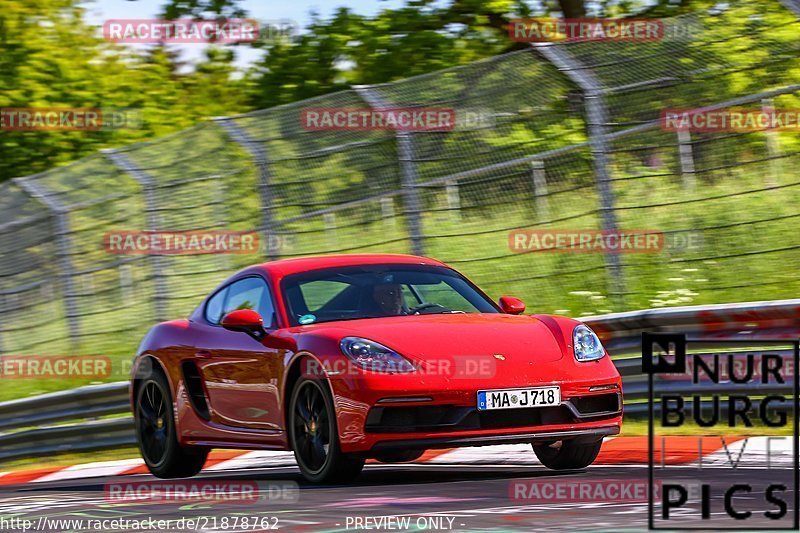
(569, 138)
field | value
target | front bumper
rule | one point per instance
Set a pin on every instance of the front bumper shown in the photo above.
(400, 418)
(588, 435)
(373, 419)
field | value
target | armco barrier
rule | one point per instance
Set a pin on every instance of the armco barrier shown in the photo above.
(84, 402)
(32, 418)
(86, 436)
(621, 332)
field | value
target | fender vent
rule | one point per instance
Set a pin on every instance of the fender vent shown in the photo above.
(194, 386)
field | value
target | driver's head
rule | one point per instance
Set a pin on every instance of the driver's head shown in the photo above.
(389, 298)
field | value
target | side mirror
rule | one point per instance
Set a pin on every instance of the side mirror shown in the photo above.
(246, 321)
(511, 305)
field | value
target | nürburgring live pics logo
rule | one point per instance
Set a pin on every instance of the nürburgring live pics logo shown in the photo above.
(726, 390)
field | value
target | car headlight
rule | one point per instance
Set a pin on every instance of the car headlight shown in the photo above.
(374, 356)
(586, 344)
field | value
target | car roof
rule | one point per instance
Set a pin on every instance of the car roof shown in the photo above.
(286, 267)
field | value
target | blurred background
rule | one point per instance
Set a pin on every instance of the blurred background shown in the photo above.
(569, 138)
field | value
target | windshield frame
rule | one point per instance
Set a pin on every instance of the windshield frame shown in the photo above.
(445, 270)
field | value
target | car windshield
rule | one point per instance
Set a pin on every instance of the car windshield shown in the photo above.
(373, 291)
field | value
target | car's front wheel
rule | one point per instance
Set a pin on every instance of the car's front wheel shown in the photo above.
(314, 438)
(567, 454)
(157, 435)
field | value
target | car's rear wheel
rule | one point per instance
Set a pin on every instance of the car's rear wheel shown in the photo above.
(157, 435)
(404, 456)
(567, 454)
(314, 438)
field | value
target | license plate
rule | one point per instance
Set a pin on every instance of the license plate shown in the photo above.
(518, 398)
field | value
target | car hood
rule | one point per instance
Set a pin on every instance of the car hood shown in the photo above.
(521, 339)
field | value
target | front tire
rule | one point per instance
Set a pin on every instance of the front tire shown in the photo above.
(156, 433)
(314, 437)
(567, 454)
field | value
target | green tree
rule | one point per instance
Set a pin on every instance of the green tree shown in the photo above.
(50, 57)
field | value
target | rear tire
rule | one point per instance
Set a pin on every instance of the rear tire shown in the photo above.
(567, 454)
(314, 437)
(405, 456)
(156, 433)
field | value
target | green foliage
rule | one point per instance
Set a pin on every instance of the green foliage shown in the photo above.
(418, 38)
(50, 57)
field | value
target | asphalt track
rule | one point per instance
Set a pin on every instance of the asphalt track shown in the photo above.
(452, 497)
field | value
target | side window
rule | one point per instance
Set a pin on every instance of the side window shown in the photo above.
(251, 293)
(215, 306)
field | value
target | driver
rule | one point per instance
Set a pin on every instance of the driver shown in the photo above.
(389, 298)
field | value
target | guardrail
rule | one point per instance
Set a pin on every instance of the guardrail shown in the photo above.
(621, 332)
(33, 419)
(84, 402)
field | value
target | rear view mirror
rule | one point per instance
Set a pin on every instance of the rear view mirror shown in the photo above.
(511, 305)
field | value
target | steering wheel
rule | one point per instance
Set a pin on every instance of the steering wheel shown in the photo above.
(422, 307)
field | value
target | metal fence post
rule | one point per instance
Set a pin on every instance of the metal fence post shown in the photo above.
(147, 182)
(221, 191)
(792, 5)
(126, 281)
(453, 199)
(387, 211)
(540, 189)
(62, 235)
(597, 124)
(259, 155)
(3, 311)
(687, 159)
(329, 221)
(408, 172)
(773, 146)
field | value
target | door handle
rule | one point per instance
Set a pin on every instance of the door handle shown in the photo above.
(203, 354)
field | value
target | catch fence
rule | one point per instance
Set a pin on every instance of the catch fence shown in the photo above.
(558, 137)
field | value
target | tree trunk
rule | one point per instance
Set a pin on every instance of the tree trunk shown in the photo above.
(572, 9)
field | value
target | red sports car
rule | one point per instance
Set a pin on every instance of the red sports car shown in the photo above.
(350, 357)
